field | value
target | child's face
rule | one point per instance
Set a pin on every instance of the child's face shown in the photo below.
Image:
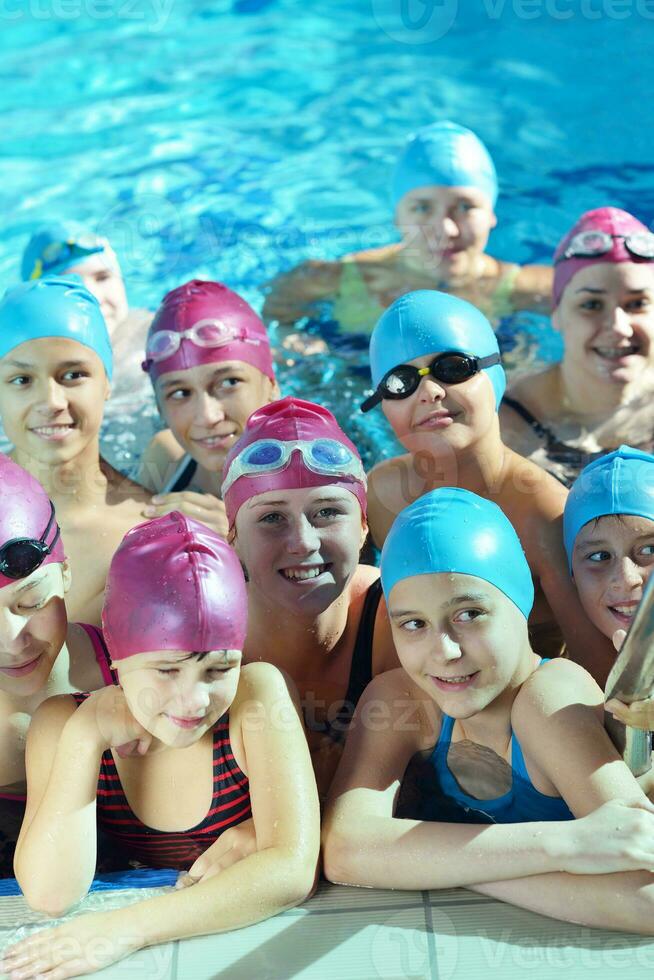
(460, 639)
(33, 626)
(611, 563)
(176, 696)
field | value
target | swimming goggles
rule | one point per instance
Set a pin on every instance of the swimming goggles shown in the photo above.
(205, 333)
(590, 244)
(327, 456)
(450, 368)
(19, 557)
(56, 253)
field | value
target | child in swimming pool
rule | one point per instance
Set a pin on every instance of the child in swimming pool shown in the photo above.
(41, 653)
(444, 193)
(503, 739)
(437, 374)
(186, 715)
(55, 373)
(210, 364)
(600, 395)
(608, 527)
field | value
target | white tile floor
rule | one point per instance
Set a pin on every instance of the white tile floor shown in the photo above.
(358, 934)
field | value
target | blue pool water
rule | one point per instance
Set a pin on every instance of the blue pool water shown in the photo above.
(232, 138)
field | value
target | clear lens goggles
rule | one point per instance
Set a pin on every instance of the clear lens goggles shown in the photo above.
(590, 244)
(19, 557)
(450, 368)
(326, 456)
(205, 333)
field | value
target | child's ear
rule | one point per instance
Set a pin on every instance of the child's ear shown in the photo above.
(66, 575)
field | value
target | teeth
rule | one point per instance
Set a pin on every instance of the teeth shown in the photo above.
(625, 610)
(51, 430)
(299, 574)
(613, 353)
(455, 680)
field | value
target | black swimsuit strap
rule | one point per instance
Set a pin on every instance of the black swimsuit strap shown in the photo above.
(185, 477)
(542, 430)
(361, 667)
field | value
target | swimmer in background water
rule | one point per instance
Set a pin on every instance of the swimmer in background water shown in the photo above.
(209, 360)
(608, 529)
(511, 747)
(602, 393)
(438, 376)
(66, 247)
(190, 744)
(41, 653)
(444, 192)
(55, 374)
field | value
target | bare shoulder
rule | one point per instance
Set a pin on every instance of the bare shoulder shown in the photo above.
(289, 292)
(159, 459)
(122, 491)
(532, 498)
(51, 716)
(532, 288)
(552, 687)
(374, 256)
(392, 485)
(260, 681)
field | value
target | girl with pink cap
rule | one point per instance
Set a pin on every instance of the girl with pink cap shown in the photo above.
(185, 716)
(209, 360)
(295, 498)
(600, 394)
(41, 654)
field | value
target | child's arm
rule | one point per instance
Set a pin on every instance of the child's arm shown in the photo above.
(280, 874)
(56, 850)
(364, 844)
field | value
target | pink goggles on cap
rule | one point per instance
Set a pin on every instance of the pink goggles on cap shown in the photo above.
(593, 243)
(205, 333)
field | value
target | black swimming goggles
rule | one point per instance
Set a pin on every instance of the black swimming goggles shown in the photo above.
(450, 368)
(592, 244)
(19, 557)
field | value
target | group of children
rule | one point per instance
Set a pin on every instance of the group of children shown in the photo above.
(230, 665)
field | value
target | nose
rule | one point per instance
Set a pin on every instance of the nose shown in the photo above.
(450, 227)
(429, 389)
(194, 700)
(210, 410)
(627, 575)
(303, 537)
(52, 397)
(12, 636)
(449, 648)
(622, 323)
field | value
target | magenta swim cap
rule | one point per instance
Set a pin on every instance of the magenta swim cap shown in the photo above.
(25, 511)
(613, 221)
(197, 303)
(174, 584)
(289, 420)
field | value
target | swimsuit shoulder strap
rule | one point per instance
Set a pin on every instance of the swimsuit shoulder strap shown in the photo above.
(361, 666)
(181, 476)
(102, 657)
(541, 430)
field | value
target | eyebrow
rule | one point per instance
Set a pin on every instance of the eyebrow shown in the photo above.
(631, 292)
(228, 367)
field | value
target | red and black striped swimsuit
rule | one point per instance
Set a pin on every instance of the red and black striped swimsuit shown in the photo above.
(230, 805)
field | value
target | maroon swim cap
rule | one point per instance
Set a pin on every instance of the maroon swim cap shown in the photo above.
(174, 584)
(613, 221)
(289, 420)
(25, 511)
(198, 302)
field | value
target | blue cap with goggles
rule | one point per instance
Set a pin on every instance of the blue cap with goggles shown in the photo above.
(56, 247)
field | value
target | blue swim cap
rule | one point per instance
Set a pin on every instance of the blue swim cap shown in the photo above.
(620, 483)
(454, 530)
(56, 247)
(428, 322)
(446, 155)
(54, 307)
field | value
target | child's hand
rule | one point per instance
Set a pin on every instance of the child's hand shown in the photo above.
(616, 837)
(116, 726)
(232, 846)
(638, 714)
(202, 507)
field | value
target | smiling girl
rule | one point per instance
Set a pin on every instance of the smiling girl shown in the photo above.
(209, 360)
(55, 373)
(601, 393)
(295, 496)
(476, 732)
(229, 740)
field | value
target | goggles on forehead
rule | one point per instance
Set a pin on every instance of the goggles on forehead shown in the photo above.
(325, 456)
(57, 252)
(590, 244)
(205, 333)
(19, 557)
(450, 368)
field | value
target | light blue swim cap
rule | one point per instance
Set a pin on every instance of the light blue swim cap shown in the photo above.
(55, 247)
(454, 530)
(446, 155)
(620, 483)
(428, 322)
(54, 306)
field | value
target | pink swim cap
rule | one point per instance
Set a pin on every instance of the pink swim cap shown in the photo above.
(25, 511)
(288, 420)
(613, 221)
(174, 584)
(197, 301)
